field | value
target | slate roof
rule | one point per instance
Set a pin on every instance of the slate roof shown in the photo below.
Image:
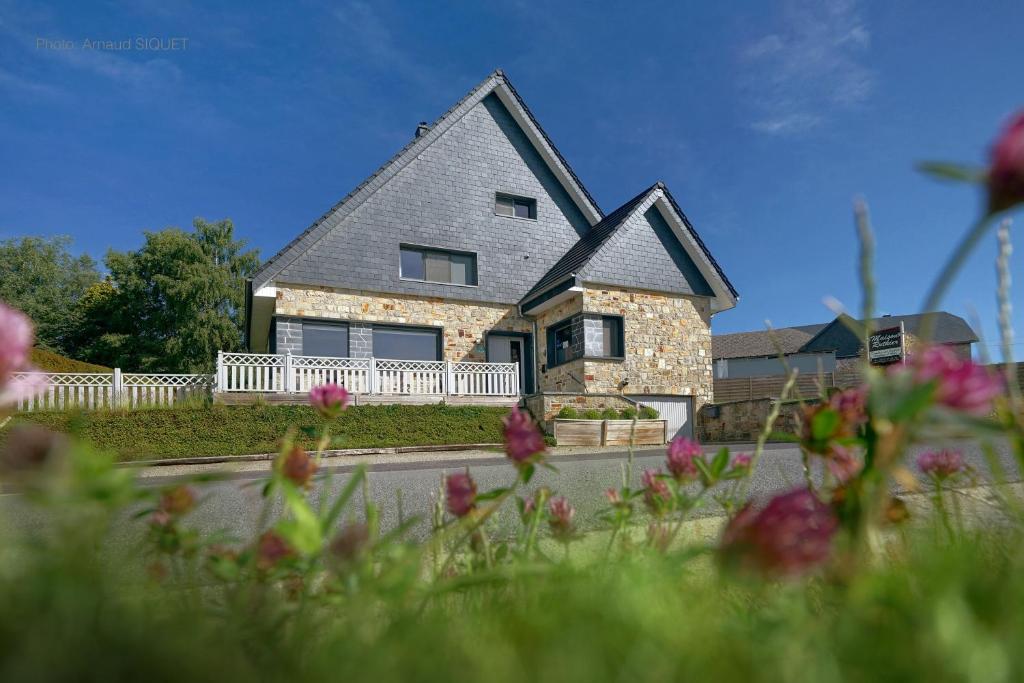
(760, 344)
(577, 257)
(833, 336)
(271, 266)
(587, 246)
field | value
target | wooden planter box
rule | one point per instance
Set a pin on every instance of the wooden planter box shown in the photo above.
(579, 432)
(609, 432)
(647, 433)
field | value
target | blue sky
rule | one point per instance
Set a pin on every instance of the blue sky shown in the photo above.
(765, 120)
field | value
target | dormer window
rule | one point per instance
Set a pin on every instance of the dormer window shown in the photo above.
(515, 207)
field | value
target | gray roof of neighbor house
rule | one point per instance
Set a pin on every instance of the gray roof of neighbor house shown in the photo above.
(834, 336)
(838, 337)
(574, 260)
(761, 344)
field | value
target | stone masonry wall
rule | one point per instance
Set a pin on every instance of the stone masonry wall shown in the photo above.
(668, 345)
(743, 420)
(464, 323)
(568, 376)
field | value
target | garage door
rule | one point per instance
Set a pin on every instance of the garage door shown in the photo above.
(677, 410)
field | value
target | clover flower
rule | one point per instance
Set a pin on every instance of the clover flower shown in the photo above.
(657, 494)
(298, 467)
(680, 459)
(941, 464)
(1006, 170)
(329, 400)
(460, 493)
(560, 514)
(960, 383)
(524, 443)
(789, 535)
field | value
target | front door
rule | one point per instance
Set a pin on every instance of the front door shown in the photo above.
(510, 348)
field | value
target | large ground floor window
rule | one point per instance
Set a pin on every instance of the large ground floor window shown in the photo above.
(325, 339)
(406, 343)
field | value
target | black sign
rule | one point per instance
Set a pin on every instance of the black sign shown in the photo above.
(886, 346)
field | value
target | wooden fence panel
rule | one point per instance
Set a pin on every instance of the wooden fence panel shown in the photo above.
(748, 388)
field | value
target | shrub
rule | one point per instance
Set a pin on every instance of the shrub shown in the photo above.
(591, 414)
(648, 413)
(54, 362)
(568, 413)
(628, 413)
(609, 414)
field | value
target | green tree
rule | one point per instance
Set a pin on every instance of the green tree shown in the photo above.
(171, 305)
(40, 276)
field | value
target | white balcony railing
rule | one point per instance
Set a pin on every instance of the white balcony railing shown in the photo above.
(285, 373)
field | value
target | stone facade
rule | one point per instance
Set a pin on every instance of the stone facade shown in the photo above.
(464, 323)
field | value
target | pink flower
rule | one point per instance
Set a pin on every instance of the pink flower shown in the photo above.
(271, 549)
(657, 495)
(941, 464)
(329, 400)
(843, 463)
(177, 500)
(560, 514)
(460, 493)
(788, 536)
(15, 345)
(613, 496)
(682, 453)
(15, 341)
(1006, 172)
(851, 404)
(741, 461)
(523, 441)
(961, 384)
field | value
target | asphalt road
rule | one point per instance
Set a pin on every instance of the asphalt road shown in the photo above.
(234, 504)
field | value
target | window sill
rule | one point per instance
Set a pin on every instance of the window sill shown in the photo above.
(517, 218)
(564, 362)
(610, 359)
(435, 282)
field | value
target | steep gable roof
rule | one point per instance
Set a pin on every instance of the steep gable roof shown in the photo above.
(578, 262)
(496, 83)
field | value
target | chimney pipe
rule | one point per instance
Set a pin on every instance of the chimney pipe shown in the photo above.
(422, 129)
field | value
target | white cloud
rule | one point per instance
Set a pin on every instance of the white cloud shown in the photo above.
(812, 66)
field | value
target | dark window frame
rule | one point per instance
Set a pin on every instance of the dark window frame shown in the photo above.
(424, 250)
(621, 337)
(438, 332)
(529, 202)
(550, 334)
(340, 324)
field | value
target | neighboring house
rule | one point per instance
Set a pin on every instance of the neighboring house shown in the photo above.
(477, 242)
(829, 347)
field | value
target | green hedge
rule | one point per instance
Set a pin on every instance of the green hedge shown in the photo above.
(54, 362)
(240, 430)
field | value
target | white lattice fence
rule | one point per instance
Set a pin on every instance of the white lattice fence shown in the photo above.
(87, 390)
(139, 390)
(94, 390)
(485, 379)
(307, 372)
(410, 376)
(250, 372)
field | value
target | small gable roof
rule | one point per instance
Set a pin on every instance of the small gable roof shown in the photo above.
(838, 337)
(497, 83)
(762, 344)
(575, 261)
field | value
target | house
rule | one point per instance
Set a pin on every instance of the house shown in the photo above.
(477, 242)
(831, 347)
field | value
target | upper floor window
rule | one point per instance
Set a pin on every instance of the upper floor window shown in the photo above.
(435, 265)
(518, 207)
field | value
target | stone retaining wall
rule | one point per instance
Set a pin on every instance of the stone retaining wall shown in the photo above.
(743, 420)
